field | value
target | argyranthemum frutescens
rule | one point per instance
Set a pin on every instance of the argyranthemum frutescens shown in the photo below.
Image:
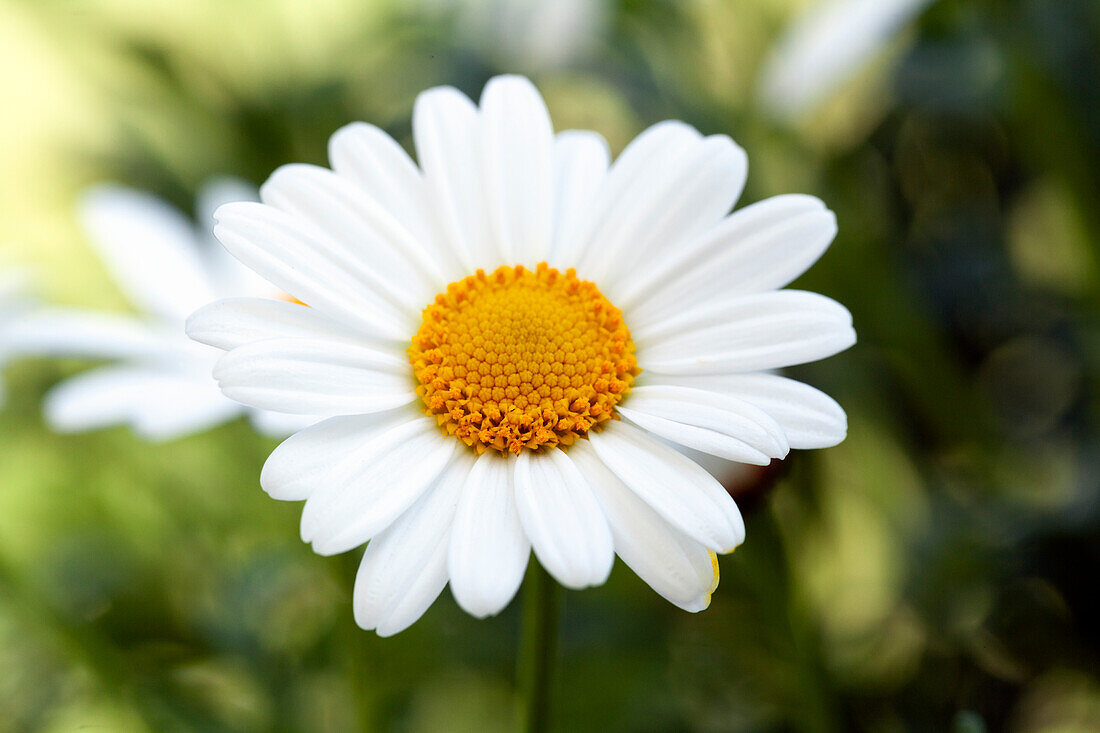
(156, 381)
(477, 326)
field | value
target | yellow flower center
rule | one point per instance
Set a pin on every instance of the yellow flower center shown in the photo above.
(519, 359)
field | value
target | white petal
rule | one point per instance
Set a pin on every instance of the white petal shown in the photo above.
(563, 520)
(809, 417)
(312, 268)
(230, 277)
(227, 324)
(157, 405)
(374, 161)
(825, 46)
(678, 189)
(93, 335)
(374, 484)
(712, 423)
(760, 247)
(386, 254)
(315, 377)
(517, 145)
(446, 130)
(680, 569)
(750, 333)
(302, 463)
(404, 568)
(489, 549)
(580, 166)
(150, 248)
(684, 494)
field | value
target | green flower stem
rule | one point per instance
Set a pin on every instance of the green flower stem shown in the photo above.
(537, 648)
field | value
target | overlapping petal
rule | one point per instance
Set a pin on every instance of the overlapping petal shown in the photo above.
(404, 568)
(562, 518)
(302, 261)
(374, 484)
(744, 334)
(760, 247)
(682, 570)
(685, 495)
(315, 377)
(808, 417)
(489, 548)
(232, 322)
(710, 422)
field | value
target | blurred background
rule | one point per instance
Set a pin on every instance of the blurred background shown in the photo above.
(934, 572)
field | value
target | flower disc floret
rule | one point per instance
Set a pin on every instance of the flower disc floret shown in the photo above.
(521, 359)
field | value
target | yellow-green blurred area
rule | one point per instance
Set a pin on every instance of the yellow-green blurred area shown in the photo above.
(937, 571)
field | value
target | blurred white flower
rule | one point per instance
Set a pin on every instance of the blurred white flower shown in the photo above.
(158, 381)
(14, 303)
(528, 35)
(825, 46)
(484, 400)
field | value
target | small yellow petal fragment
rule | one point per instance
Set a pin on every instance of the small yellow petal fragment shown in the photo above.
(714, 569)
(520, 359)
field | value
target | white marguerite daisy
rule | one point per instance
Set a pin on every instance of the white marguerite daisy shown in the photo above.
(825, 46)
(14, 303)
(157, 381)
(477, 326)
(528, 34)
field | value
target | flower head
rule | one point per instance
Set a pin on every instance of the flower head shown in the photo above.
(825, 46)
(509, 337)
(14, 303)
(157, 381)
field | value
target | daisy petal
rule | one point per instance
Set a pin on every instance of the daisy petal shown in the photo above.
(374, 484)
(88, 334)
(300, 260)
(227, 324)
(684, 494)
(314, 377)
(150, 249)
(301, 464)
(517, 145)
(374, 161)
(750, 333)
(680, 569)
(684, 186)
(760, 247)
(447, 134)
(489, 549)
(157, 405)
(580, 165)
(563, 519)
(388, 256)
(809, 417)
(712, 423)
(404, 568)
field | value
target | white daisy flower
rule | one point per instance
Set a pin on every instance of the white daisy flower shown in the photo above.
(477, 326)
(825, 46)
(158, 381)
(529, 34)
(14, 303)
